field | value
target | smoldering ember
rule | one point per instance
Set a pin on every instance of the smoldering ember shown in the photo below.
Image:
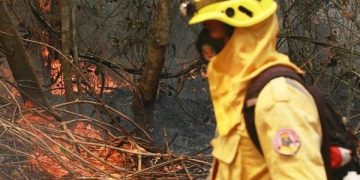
(115, 89)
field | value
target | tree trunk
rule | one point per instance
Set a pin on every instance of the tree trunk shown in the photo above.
(149, 80)
(74, 41)
(150, 77)
(65, 8)
(18, 60)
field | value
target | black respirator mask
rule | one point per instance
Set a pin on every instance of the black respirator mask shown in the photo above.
(208, 47)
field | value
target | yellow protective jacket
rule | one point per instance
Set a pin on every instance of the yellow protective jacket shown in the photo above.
(282, 104)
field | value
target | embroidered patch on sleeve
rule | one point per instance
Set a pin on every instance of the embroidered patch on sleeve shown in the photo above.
(286, 142)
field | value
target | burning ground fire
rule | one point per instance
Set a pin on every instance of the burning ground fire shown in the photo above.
(40, 147)
(62, 158)
(89, 71)
(86, 150)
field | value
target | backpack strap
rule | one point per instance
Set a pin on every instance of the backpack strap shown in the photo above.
(254, 90)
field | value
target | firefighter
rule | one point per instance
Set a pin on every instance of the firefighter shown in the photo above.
(286, 117)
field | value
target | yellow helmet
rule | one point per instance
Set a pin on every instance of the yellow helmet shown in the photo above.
(237, 13)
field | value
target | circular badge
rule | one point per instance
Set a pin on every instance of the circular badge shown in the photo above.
(286, 142)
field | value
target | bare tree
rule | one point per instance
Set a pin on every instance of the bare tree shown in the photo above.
(65, 8)
(149, 80)
(18, 60)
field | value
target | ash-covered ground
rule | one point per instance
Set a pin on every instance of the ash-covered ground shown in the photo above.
(187, 118)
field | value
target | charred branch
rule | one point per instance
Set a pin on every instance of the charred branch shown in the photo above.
(103, 61)
(44, 22)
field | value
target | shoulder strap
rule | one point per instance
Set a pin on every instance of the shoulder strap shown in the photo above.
(254, 90)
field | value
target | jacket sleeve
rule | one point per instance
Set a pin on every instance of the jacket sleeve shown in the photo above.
(289, 131)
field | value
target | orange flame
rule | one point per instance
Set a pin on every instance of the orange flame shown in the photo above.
(58, 87)
(45, 5)
(44, 52)
(89, 72)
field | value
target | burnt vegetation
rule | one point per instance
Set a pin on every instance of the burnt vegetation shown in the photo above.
(115, 89)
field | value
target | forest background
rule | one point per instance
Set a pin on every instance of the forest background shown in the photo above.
(115, 88)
